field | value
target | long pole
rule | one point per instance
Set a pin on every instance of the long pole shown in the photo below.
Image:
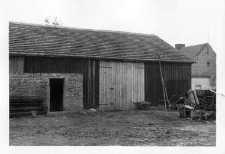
(164, 95)
(167, 100)
(163, 84)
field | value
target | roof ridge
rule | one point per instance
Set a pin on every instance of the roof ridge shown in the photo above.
(86, 29)
(196, 45)
(203, 46)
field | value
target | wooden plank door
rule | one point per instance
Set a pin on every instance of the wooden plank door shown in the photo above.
(106, 87)
(119, 83)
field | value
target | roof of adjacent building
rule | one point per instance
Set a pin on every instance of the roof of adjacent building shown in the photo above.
(42, 40)
(194, 50)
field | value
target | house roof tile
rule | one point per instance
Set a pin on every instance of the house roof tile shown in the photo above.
(194, 50)
(40, 40)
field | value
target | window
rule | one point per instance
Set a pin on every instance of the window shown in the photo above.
(208, 63)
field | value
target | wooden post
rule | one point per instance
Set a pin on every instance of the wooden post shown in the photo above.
(93, 84)
(163, 84)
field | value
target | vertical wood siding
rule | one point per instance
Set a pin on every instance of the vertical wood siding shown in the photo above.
(54, 65)
(177, 77)
(16, 65)
(91, 84)
(119, 83)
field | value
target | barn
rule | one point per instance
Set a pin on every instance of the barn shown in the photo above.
(73, 69)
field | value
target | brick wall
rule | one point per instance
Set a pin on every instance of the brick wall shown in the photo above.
(38, 84)
(200, 68)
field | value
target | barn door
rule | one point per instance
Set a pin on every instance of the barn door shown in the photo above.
(106, 87)
(119, 83)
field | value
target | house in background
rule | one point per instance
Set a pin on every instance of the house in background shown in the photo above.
(204, 69)
(74, 69)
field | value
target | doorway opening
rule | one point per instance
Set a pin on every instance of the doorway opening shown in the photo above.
(56, 94)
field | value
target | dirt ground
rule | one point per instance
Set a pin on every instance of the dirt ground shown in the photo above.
(126, 128)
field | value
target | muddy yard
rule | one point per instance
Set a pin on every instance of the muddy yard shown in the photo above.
(126, 128)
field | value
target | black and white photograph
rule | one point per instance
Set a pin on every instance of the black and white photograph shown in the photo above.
(114, 73)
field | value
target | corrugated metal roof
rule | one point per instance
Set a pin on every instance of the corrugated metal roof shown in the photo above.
(40, 40)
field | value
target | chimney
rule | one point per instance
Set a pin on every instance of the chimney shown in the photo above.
(179, 46)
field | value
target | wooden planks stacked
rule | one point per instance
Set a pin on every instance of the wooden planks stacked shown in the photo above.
(24, 106)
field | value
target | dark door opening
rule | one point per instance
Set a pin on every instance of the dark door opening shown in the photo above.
(56, 94)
